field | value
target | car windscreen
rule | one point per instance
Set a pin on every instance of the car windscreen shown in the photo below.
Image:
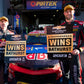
(36, 40)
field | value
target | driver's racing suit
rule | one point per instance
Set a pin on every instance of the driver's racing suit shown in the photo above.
(74, 65)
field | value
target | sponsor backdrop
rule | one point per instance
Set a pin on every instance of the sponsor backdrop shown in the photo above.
(17, 21)
(41, 4)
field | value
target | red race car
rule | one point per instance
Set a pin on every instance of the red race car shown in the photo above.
(37, 69)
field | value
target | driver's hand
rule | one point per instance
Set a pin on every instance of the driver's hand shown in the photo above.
(75, 52)
(3, 44)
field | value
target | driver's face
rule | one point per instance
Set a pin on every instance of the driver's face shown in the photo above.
(4, 24)
(69, 14)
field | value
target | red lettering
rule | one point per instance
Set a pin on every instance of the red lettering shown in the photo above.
(41, 56)
(31, 56)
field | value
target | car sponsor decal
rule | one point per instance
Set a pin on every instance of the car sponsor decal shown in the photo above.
(36, 49)
(37, 56)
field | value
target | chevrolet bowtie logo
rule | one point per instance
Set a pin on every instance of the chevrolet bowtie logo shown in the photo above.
(59, 27)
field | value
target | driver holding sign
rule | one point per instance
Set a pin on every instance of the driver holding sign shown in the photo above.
(74, 65)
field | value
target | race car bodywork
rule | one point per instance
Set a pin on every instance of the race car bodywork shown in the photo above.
(37, 69)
